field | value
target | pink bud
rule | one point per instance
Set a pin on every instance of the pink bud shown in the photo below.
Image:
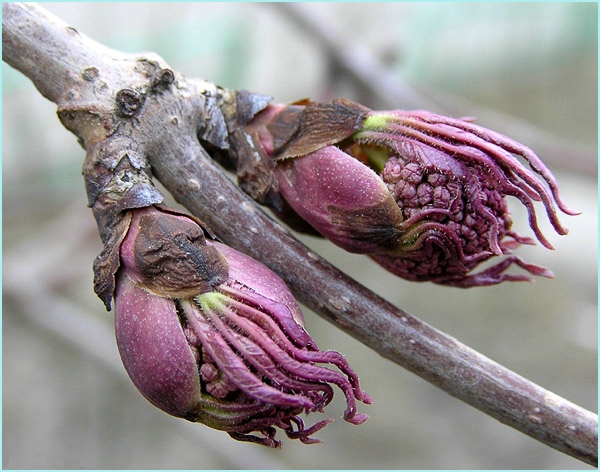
(229, 350)
(423, 194)
(342, 199)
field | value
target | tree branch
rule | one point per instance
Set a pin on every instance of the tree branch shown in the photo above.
(84, 79)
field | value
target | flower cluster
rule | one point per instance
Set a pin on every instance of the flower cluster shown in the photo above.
(424, 195)
(208, 334)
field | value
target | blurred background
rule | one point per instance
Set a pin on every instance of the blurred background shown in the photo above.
(527, 70)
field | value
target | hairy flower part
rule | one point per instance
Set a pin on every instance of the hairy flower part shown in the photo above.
(231, 353)
(423, 194)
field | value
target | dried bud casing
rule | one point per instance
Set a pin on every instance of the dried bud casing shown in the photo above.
(169, 255)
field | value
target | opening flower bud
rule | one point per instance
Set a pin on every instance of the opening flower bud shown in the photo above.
(230, 349)
(423, 194)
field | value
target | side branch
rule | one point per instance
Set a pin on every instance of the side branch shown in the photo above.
(86, 83)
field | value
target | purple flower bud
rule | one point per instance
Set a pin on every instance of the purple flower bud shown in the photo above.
(343, 199)
(424, 195)
(229, 350)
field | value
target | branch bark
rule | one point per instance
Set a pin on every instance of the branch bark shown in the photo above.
(86, 80)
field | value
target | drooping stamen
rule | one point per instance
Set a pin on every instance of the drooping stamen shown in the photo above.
(229, 361)
(303, 434)
(511, 146)
(442, 132)
(242, 303)
(292, 361)
(259, 359)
